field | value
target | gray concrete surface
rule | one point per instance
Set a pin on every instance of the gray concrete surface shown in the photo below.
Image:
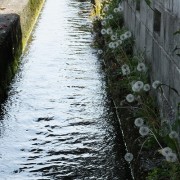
(27, 10)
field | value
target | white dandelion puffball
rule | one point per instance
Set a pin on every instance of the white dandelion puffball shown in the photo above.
(138, 85)
(171, 157)
(103, 23)
(103, 31)
(134, 89)
(96, 18)
(128, 157)
(165, 151)
(120, 8)
(113, 37)
(125, 69)
(146, 87)
(128, 34)
(100, 51)
(116, 10)
(106, 8)
(123, 37)
(130, 98)
(120, 5)
(109, 31)
(126, 72)
(155, 84)
(120, 42)
(124, 66)
(105, 18)
(116, 44)
(111, 45)
(144, 130)
(141, 67)
(173, 135)
(110, 16)
(139, 122)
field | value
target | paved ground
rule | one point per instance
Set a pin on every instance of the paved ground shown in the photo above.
(12, 6)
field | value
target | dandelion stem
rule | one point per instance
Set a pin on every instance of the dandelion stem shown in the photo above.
(142, 147)
(156, 139)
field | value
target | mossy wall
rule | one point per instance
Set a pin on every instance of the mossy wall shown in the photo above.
(28, 18)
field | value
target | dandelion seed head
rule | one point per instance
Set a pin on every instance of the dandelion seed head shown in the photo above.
(109, 31)
(173, 135)
(124, 66)
(123, 37)
(165, 151)
(128, 34)
(106, 8)
(100, 51)
(110, 16)
(126, 72)
(120, 4)
(96, 18)
(103, 31)
(116, 10)
(120, 8)
(139, 122)
(120, 42)
(135, 89)
(103, 23)
(139, 85)
(146, 87)
(130, 98)
(125, 69)
(128, 157)
(111, 45)
(116, 44)
(113, 37)
(171, 157)
(155, 84)
(144, 130)
(141, 67)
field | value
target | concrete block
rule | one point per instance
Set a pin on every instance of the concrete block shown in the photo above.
(17, 18)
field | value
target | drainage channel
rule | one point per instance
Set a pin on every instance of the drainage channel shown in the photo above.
(57, 122)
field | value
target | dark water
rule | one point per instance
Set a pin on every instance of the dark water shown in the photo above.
(57, 122)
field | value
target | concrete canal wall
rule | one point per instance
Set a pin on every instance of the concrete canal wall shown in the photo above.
(17, 18)
(153, 28)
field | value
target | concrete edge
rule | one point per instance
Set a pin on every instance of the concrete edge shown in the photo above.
(17, 20)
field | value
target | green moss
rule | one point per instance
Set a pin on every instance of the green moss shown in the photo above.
(167, 171)
(33, 10)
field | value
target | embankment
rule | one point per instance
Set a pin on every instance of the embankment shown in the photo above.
(17, 19)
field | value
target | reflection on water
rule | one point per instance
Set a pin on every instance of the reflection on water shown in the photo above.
(57, 122)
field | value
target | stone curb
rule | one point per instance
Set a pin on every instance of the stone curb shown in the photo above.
(17, 19)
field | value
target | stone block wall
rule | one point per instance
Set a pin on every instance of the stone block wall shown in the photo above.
(153, 28)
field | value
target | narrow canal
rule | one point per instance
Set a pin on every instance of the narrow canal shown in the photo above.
(57, 122)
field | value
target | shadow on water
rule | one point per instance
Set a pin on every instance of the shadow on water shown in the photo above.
(58, 121)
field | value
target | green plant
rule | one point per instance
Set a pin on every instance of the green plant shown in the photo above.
(129, 78)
